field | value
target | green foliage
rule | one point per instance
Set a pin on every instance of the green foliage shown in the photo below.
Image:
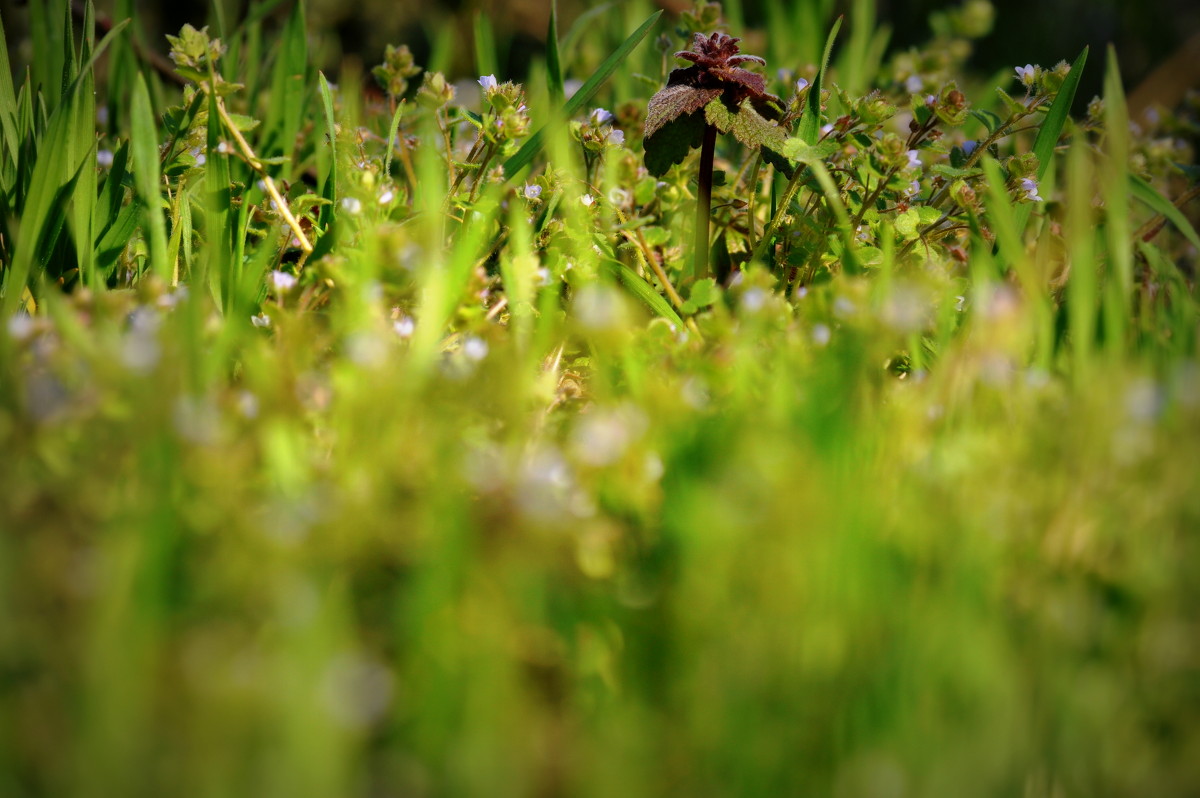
(376, 446)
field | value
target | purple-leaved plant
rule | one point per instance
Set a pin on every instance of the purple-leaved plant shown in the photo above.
(713, 94)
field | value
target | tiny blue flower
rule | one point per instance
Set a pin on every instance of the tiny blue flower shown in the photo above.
(488, 82)
(532, 191)
(1030, 187)
(968, 147)
(914, 160)
(599, 116)
(1027, 74)
(801, 85)
(616, 137)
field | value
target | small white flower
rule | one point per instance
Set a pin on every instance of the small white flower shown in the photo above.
(571, 86)
(753, 300)
(914, 159)
(283, 281)
(914, 84)
(821, 334)
(404, 326)
(801, 85)
(616, 137)
(387, 196)
(475, 348)
(224, 148)
(261, 320)
(1027, 74)
(488, 82)
(351, 205)
(599, 116)
(968, 147)
(20, 327)
(588, 200)
(532, 191)
(619, 197)
(930, 100)
(914, 188)
(826, 129)
(198, 156)
(1030, 187)
(104, 159)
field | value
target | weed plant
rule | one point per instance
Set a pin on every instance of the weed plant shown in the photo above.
(411, 442)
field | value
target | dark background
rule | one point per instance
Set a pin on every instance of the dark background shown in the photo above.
(1146, 34)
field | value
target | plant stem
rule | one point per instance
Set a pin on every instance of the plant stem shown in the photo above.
(704, 203)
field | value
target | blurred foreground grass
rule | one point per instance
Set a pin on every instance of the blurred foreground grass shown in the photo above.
(444, 509)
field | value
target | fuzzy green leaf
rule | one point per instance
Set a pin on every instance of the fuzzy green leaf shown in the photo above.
(746, 125)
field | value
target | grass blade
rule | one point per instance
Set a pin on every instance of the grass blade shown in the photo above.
(143, 139)
(531, 148)
(642, 290)
(485, 45)
(8, 121)
(809, 129)
(289, 88)
(1146, 194)
(554, 75)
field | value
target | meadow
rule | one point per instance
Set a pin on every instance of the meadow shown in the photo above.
(390, 431)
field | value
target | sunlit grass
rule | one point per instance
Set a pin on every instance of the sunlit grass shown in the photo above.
(455, 482)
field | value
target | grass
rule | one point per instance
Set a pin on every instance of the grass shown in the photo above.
(381, 445)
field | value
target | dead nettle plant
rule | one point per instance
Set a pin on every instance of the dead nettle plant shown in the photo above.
(713, 95)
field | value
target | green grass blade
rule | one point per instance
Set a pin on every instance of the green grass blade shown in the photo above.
(642, 290)
(1146, 194)
(809, 129)
(582, 23)
(143, 138)
(531, 147)
(1116, 208)
(1051, 129)
(554, 73)
(485, 45)
(8, 120)
(289, 88)
(84, 141)
(329, 188)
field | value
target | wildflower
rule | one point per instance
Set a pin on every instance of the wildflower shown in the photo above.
(914, 84)
(488, 82)
(821, 334)
(102, 115)
(1027, 75)
(224, 148)
(532, 191)
(387, 196)
(261, 320)
(914, 188)
(801, 85)
(571, 86)
(618, 197)
(351, 205)
(616, 137)
(600, 116)
(826, 129)
(198, 156)
(282, 281)
(914, 160)
(588, 200)
(20, 327)
(1030, 187)
(968, 147)
(104, 159)
(404, 326)
(475, 348)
